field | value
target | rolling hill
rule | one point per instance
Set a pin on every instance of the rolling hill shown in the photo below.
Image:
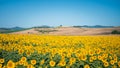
(69, 31)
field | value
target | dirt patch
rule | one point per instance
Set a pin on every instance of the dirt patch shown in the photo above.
(69, 31)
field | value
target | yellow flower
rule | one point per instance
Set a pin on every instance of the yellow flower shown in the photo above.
(91, 53)
(0, 65)
(46, 67)
(98, 50)
(62, 63)
(86, 66)
(68, 54)
(67, 66)
(25, 63)
(1, 60)
(114, 66)
(33, 62)
(5, 67)
(21, 62)
(52, 63)
(23, 59)
(16, 63)
(28, 53)
(83, 57)
(10, 64)
(119, 63)
(91, 59)
(99, 57)
(20, 51)
(30, 66)
(70, 63)
(72, 59)
(42, 62)
(94, 57)
(79, 56)
(115, 60)
(106, 64)
(112, 62)
(110, 57)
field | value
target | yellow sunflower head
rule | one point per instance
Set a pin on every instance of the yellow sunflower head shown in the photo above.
(33, 62)
(10, 64)
(86, 66)
(1, 60)
(52, 63)
(42, 62)
(23, 59)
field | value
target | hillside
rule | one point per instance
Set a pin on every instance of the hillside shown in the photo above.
(9, 30)
(69, 31)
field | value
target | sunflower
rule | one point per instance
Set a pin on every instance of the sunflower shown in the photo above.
(91, 59)
(98, 50)
(112, 62)
(110, 57)
(72, 59)
(33, 62)
(52, 63)
(16, 63)
(86, 66)
(83, 57)
(94, 57)
(28, 53)
(67, 66)
(23, 59)
(99, 57)
(70, 63)
(114, 66)
(0, 65)
(119, 63)
(30, 66)
(10, 64)
(42, 62)
(106, 64)
(25, 63)
(62, 63)
(20, 51)
(1, 60)
(68, 55)
(91, 53)
(4, 67)
(116, 60)
(21, 62)
(79, 57)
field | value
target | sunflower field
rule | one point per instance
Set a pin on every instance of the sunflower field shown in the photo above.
(47, 51)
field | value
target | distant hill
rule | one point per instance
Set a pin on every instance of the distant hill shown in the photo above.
(8, 30)
(16, 28)
(96, 26)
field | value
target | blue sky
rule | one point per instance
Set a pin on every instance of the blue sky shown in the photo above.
(28, 13)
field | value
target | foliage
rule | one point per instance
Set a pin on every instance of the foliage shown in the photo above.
(44, 26)
(45, 30)
(115, 32)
